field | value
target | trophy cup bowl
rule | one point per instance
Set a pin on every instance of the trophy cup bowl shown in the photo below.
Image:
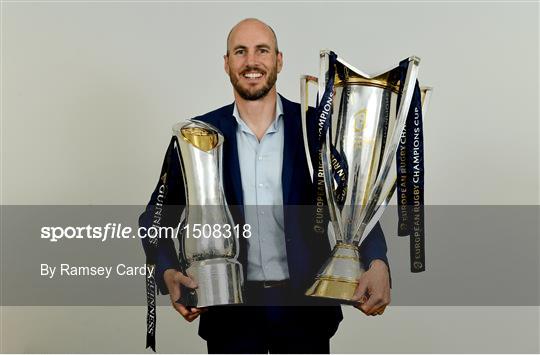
(368, 116)
(209, 259)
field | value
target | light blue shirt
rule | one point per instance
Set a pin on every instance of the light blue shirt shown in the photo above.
(260, 168)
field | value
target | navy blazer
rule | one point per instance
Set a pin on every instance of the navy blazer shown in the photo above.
(306, 250)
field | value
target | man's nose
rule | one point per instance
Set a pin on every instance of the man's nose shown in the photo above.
(251, 58)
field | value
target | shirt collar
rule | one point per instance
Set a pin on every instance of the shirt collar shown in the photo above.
(275, 123)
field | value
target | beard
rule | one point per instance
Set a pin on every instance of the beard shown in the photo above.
(255, 94)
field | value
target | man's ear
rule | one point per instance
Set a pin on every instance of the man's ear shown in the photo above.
(226, 63)
(279, 61)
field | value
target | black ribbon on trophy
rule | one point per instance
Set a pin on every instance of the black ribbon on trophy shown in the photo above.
(410, 179)
(158, 221)
(317, 134)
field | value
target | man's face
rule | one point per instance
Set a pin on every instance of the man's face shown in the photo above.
(252, 62)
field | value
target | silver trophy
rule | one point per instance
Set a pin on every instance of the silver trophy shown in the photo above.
(208, 246)
(366, 126)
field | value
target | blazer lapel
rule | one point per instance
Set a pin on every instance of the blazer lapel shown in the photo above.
(231, 166)
(290, 145)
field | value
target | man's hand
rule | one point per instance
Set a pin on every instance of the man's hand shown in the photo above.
(373, 290)
(173, 279)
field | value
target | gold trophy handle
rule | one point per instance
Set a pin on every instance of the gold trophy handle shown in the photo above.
(304, 105)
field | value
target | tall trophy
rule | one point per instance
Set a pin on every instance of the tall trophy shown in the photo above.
(208, 247)
(359, 120)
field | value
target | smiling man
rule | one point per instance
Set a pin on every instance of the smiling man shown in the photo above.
(252, 62)
(253, 71)
(265, 169)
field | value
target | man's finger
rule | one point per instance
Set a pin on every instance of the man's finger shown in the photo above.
(174, 293)
(374, 302)
(359, 307)
(186, 281)
(361, 290)
(192, 317)
(195, 310)
(178, 309)
(379, 311)
(181, 309)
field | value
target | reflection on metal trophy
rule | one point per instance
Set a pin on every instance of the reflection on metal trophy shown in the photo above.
(366, 117)
(208, 249)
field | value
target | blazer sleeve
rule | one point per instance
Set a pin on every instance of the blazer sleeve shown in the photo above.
(374, 247)
(166, 256)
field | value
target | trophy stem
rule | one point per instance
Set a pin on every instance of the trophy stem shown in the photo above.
(338, 278)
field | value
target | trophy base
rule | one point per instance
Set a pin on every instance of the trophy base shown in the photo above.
(219, 282)
(341, 290)
(338, 278)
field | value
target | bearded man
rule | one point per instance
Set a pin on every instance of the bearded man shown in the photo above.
(265, 169)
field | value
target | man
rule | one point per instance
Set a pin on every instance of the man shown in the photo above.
(264, 169)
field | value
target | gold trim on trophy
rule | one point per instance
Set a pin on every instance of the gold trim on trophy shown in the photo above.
(382, 81)
(201, 138)
(345, 257)
(333, 287)
(346, 246)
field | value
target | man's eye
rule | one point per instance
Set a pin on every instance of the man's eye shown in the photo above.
(239, 52)
(263, 50)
